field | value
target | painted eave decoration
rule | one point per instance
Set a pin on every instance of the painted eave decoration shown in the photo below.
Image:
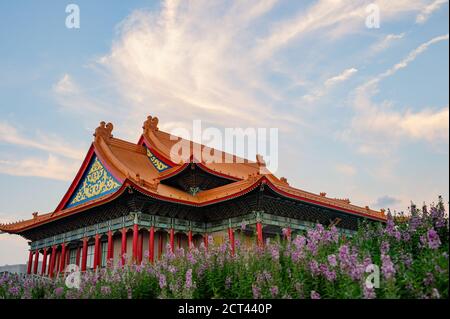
(157, 163)
(96, 182)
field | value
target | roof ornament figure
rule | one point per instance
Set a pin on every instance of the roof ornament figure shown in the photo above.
(323, 194)
(151, 124)
(284, 180)
(104, 130)
(35, 215)
(262, 165)
(260, 160)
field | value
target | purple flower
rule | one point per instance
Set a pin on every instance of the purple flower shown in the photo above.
(59, 291)
(15, 291)
(172, 269)
(429, 279)
(332, 260)
(189, 278)
(274, 291)
(369, 293)
(435, 294)
(299, 242)
(387, 266)
(256, 292)
(228, 282)
(315, 295)
(433, 239)
(384, 247)
(162, 281)
(314, 266)
(329, 274)
(105, 290)
(274, 252)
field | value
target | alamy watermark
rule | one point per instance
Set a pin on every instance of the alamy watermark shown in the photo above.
(73, 17)
(231, 145)
(373, 17)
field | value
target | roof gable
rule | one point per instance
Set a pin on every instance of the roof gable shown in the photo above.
(97, 181)
(157, 163)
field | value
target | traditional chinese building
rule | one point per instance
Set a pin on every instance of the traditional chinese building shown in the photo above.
(134, 199)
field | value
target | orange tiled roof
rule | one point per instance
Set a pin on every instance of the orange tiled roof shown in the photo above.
(130, 164)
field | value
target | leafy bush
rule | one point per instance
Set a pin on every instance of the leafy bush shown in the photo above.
(411, 252)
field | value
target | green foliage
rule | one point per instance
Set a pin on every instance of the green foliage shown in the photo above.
(410, 251)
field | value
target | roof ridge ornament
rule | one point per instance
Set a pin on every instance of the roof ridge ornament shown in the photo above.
(104, 130)
(151, 124)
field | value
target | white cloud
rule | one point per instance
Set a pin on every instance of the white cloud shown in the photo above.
(428, 10)
(214, 61)
(14, 249)
(324, 89)
(52, 168)
(345, 75)
(11, 135)
(72, 98)
(346, 169)
(377, 127)
(385, 42)
(412, 56)
(334, 18)
(66, 85)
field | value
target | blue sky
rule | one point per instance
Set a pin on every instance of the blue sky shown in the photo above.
(362, 112)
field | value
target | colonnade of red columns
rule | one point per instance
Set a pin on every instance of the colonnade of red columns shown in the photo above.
(57, 260)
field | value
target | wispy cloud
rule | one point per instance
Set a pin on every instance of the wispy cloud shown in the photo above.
(428, 10)
(385, 43)
(11, 135)
(386, 201)
(324, 89)
(346, 169)
(344, 76)
(52, 168)
(333, 18)
(71, 97)
(376, 127)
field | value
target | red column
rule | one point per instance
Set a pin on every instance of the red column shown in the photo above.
(77, 258)
(62, 258)
(205, 240)
(135, 241)
(84, 254)
(36, 262)
(190, 239)
(110, 246)
(52, 262)
(97, 251)
(30, 261)
(123, 251)
(44, 262)
(151, 245)
(259, 234)
(288, 233)
(231, 238)
(172, 240)
(160, 244)
(140, 245)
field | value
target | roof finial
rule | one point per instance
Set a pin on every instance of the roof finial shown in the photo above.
(104, 130)
(151, 124)
(260, 160)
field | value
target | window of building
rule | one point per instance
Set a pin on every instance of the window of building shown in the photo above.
(90, 256)
(73, 256)
(104, 253)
